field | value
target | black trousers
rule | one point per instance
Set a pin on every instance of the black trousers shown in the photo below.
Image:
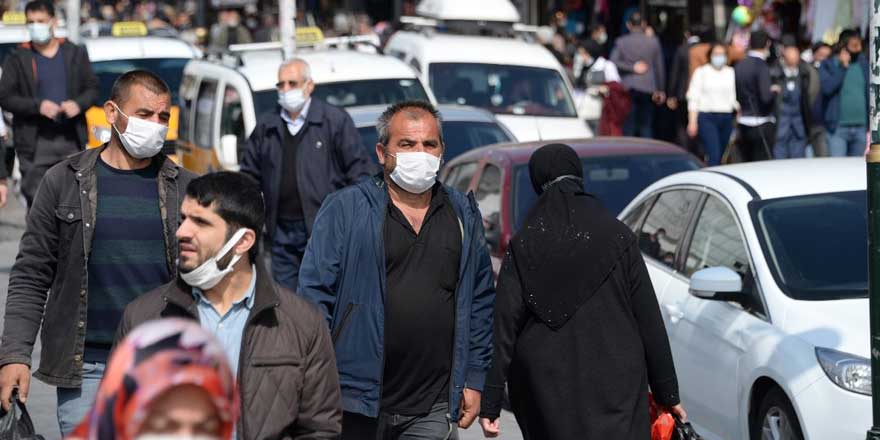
(435, 425)
(756, 143)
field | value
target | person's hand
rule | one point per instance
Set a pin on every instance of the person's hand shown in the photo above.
(844, 57)
(658, 97)
(775, 88)
(49, 109)
(491, 429)
(604, 90)
(470, 408)
(679, 412)
(692, 129)
(672, 103)
(70, 108)
(4, 191)
(14, 376)
(640, 67)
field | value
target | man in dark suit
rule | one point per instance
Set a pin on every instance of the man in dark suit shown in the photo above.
(757, 97)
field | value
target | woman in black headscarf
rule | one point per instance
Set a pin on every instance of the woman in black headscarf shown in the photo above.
(578, 333)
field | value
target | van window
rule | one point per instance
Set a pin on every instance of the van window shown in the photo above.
(205, 106)
(187, 93)
(232, 117)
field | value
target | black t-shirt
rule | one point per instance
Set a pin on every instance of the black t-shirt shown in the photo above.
(289, 202)
(422, 274)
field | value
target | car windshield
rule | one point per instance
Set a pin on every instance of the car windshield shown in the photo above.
(615, 180)
(352, 93)
(169, 69)
(460, 136)
(502, 89)
(815, 244)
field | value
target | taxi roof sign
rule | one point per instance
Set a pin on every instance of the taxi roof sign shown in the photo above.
(308, 35)
(129, 29)
(14, 17)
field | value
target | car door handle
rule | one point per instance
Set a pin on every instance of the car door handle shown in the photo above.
(675, 312)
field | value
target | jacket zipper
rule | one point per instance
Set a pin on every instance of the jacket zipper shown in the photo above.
(348, 310)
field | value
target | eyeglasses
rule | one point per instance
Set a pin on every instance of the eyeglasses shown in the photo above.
(280, 84)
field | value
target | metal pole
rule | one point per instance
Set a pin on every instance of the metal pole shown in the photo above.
(287, 23)
(873, 166)
(73, 20)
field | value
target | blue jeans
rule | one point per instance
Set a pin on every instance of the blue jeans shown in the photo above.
(288, 247)
(790, 144)
(75, 403)
(714, 131)
(435, 425)
(640, 120)
(847, 141)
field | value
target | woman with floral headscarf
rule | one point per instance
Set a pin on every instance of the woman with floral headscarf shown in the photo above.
(168, 379)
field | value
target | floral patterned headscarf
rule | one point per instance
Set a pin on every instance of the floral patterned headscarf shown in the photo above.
(154, 358)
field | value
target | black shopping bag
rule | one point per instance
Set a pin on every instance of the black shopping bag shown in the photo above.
(16, 424)
(684, 431)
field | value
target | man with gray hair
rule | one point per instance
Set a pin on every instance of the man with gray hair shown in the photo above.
(302, 151)
(399, 266)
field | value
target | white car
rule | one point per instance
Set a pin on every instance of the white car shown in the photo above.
(521, 82)
(220, 102)
(761, 274)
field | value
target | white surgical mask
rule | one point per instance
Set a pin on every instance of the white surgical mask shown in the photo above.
(209, 273)
(175, 437)
(415, 172)
(292, 100)
(40, 33)
(142, 138)
(719, 61)
(602, 38)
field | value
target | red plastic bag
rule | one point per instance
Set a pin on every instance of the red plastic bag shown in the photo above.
(662, 422)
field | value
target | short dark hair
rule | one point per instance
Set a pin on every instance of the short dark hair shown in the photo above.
(635, 19)
(758, 40)
(149, 80)
(846, 35)
(40, 5)
(236, 198)
(820, 45)
(383, 125)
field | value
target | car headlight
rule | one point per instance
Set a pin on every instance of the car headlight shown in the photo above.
(848, 371)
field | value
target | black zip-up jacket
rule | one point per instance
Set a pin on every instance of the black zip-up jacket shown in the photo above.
(287, 375)
(53, 256)
(18, 92)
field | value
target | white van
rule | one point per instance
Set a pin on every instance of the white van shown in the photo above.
(220, 101)
(521, 82)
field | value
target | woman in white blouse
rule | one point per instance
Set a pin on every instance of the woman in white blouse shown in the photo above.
(712, 102)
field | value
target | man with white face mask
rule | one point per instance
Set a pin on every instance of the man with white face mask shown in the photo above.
(99, 234)
(47, 84)
(276, 342)
(302, 151)
(400, 267)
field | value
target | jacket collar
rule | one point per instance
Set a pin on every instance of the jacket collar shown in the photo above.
(266, 295)
(314, 116)
(86, 161)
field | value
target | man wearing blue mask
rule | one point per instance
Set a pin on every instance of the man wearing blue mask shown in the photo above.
(46, 84)
(99, 234)
(299, 153)
(399, 265)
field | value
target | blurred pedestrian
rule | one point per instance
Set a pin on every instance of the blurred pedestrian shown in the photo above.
(229, 30)
(300, 153)
(600, 79)
(677, 86)
(599, 34)
(269, 30)
(845, 92)
(99, 234)
(639, 59)
(818, 135)
(821, 51)
(711, 98)
(276, 342)
(756, 96)
(46, 84)
(400, 267)
(603, 317)
(168, 379)
(800, 88)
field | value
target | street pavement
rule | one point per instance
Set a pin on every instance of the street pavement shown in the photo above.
(41, 402)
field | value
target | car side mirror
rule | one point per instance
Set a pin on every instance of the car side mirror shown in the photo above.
(228, 156)
(717, 283)
(493, 230)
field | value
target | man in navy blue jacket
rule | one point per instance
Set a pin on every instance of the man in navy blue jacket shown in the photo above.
(844, 80)
(756, 96)
(400, 267)
(300, 153)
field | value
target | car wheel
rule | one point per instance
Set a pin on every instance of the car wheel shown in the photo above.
(776, 419)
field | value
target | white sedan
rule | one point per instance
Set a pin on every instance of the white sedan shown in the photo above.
(761, 274)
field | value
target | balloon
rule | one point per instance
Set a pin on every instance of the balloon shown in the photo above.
(742, 16)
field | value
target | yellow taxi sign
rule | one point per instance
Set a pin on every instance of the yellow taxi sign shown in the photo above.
(309, 35)
(129, 29)
(14, 17)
